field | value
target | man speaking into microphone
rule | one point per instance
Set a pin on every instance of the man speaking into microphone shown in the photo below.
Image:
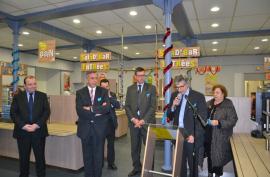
(182, 113)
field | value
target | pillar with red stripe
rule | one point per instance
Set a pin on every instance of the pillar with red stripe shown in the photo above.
(167, 6)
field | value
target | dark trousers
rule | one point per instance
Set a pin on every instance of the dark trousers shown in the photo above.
(92, 148)
(137, 135)
(38, 145)
(187, 157)
(110, 143)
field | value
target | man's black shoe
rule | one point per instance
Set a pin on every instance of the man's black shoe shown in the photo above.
(134, 172)
(112, 167)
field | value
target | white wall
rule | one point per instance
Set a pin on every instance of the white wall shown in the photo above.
(232, 67)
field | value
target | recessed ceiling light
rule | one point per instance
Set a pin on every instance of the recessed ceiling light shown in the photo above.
(125, 47)
(215, 9)
(20, 45)
(137, 53)
(76, 21)
(264, 40)
(75, 57)
(57, 53)
(133, 13)
(163, 45)
(215, 42)
(215, 25)
(148, 26)
(256, 48)
(99, 32)
(85, 51)
(214, 50)
(25, 33)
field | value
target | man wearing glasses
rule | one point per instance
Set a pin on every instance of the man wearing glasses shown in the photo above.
(182, 115)
(140, 108)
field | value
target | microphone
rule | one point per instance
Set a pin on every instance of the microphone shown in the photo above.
(179, 96)
(195, 111)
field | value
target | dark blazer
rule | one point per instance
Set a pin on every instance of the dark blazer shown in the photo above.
(197, 99)
(147, 104)
(114, 105)
(98, 118)
(20, 115)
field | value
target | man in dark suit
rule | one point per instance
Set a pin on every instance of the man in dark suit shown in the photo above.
(182, 115)
(112, 125)
(92, 106)
(30, 111)
(140, 108)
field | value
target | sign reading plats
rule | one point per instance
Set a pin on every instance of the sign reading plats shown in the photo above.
(46, 51)
(186, 52)
(182, 63)
(95, 56)
(95, 66)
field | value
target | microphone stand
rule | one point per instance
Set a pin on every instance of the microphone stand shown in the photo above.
(195, 116)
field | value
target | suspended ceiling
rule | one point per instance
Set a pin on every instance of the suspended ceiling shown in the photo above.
(234, 16)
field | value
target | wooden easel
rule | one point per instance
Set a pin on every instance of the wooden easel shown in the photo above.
(161, 132)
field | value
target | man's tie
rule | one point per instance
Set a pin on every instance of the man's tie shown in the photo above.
(92, 95)
(139, 99)
(30, 106)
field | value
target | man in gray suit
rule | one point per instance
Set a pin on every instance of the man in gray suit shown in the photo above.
(140, 108)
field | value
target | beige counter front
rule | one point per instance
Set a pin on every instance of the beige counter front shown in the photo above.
(63, 147)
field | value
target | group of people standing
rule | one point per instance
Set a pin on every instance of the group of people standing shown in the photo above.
(97, 121)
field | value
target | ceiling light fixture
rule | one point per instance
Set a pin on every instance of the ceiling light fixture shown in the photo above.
(133, 13)
(99, 32)
(75, 57)
(256, 48)
(125, 47)
(215, 25)
(215, 9)
(137, 53)
(25, 33)
(76, 21)
(215, 42)
(264, 40)
(57, 53)
(20, 45)
(148, 26)
(214, 50)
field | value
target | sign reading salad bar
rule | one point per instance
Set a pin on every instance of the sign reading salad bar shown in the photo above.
(95, 61)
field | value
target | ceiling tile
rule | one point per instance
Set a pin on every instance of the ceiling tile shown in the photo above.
(203, 8)
(7, 8)
(104, 18)
(143, 14)
(190, 11)
(224, 25)
(246, 23)
(25, 4)
(252, 7)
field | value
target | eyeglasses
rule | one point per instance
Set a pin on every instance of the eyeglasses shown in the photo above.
(180, 86)
(140, 75)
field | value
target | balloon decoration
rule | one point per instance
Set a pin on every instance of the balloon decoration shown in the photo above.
(208, 69)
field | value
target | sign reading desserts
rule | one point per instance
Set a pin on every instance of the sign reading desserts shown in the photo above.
(186, 57)
(95, 61)
(46, 51)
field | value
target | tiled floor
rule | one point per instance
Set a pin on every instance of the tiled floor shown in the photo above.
(9, 167)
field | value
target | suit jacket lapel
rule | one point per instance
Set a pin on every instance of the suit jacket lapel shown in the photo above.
(35, 104)
(25, 100)
(87, 95)
(144, 91)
